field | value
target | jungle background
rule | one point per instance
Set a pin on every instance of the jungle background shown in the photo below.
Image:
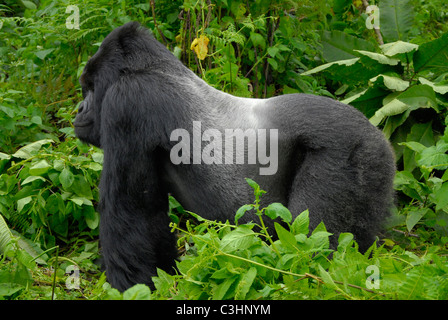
(389, 59)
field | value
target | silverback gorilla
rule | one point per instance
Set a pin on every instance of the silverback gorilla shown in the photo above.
(140, 100)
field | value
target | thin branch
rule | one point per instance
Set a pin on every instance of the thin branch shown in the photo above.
(377, 30)
(153, 6)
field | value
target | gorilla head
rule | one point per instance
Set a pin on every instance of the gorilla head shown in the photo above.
(139, 100)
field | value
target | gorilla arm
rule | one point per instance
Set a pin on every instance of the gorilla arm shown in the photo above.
(134, 227)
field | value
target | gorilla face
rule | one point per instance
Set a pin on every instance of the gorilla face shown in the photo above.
(86, 126)
(88, 120)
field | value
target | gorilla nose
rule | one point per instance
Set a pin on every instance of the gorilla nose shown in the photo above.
(81, 107)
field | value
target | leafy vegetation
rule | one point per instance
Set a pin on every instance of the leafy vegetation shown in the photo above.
(397, 76)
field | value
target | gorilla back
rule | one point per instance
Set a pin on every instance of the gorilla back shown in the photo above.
(164, 130)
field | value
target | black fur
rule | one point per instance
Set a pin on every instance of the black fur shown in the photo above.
(331, 159)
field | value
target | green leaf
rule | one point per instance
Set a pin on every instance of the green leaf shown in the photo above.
(413, 98)
(31, 179)
(301, 223)
(434, 156)
(66, 178)
(31, 248)
(273, 63)
(22, 202)
(396, 19)
(338, 45)
(276, 209)
(28, 4)
(241, 211)
(399, 47)
(258, 40)
(442, 89)
(137, 292)
(239, 239)
(378, 57)
(253, 184)
(43, 53)
(286, 237)
(31, 149)
(441, 197)
(220, 291)
(40, 168)
(344, 241)
(392, 83)
(432, 55)
(92, 218)
(414, 216)
(5, 235)
(327, 279)
(333, 65)
(414, 146)
(245, 283)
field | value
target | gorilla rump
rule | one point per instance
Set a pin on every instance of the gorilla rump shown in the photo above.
(331, 160)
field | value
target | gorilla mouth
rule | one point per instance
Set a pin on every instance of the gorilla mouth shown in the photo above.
(82, 124)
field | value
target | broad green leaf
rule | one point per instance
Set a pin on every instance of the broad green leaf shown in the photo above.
(21, 203)
(81, 201)
(434, 156)
(31, 149)
(414, 146)
(81, 187)
(92, 218)
(437, 88)
(31, 179)
(43, 53)
(327, 279)
(301, 223)
(39, 168)
(239, 239)
(66, 178)
(441, 197)
(31, 248)
(381, 58)
(276, 209)
(4, 156)
(396, 19)
(414, 216)
(392, 83)
(432, 55)
(137, 292)
(258, 40)
(245, 283)
(9, 288)
(273, 63)
(421, 133)
(335, 65)
(338, 45)
(344, 241)
(398, 47)
(286, 237)
(413, 98)
(220, 290)
(29, 4)
(5, 235)
(392, 108)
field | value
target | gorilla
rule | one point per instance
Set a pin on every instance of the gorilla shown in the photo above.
(165, 131)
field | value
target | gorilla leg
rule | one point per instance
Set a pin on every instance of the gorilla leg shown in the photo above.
(345, 189)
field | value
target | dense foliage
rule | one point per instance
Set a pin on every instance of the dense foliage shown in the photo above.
(397, 77)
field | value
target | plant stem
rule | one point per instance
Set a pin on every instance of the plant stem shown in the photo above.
(55, 266)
